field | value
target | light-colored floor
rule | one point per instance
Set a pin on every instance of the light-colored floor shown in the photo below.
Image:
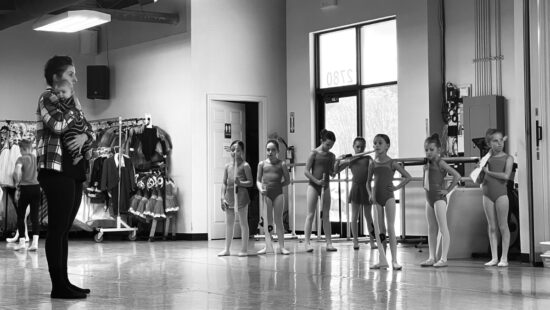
(189, 275)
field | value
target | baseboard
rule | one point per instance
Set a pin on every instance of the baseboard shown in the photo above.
(192, 237)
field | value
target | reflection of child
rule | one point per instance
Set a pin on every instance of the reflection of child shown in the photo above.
(69, 104)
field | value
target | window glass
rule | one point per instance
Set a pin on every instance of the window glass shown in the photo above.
(378, 53)
(337, 58)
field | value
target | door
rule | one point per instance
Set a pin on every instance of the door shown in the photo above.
(226, 123)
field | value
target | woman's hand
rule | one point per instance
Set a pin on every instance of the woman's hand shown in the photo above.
(224, 204)
(320, 183)
(77, 142)
(485, 169)
(443, 192)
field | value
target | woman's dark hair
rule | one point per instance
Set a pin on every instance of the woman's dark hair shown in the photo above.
(239, 143)
(327, 135)
(274, 143)
(383, 136)
(434, 138)
(490, 132)
(56, 66)
(359, 139)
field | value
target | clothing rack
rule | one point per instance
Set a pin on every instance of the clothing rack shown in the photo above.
(121, 226)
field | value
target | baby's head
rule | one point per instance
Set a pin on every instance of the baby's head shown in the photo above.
(64, 88)
(25, 146)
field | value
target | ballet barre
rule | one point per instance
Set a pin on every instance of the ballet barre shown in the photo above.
(412, 161)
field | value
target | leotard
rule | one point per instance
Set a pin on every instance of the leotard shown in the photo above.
(435, 182)
(383, 181)
(272, 175)
(494, 187)
(358, 193)
(322, 164)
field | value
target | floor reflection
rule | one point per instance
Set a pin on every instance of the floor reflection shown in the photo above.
(177, 275)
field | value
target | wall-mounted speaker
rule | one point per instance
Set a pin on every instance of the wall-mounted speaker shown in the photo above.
(97, 82)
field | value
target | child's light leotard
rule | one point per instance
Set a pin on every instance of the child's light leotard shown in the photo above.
(493, 187)
(436, 182)
(358, 193)
(383, 181)
(242, 193)
(322, 164)
(271, 178)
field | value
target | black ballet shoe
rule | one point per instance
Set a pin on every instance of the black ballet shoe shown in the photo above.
(66, 293)
(78, 289)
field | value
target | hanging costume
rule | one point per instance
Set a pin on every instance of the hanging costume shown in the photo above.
(109, 181)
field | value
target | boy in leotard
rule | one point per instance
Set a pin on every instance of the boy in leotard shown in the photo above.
(272, 176)
(436, 200)
(229, 205)
(495, 195)
(319, 168)
(382, 171)
(359, 196)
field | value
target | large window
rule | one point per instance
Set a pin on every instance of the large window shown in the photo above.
(356, 90)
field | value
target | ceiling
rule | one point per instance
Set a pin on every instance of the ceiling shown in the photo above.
(15, 12)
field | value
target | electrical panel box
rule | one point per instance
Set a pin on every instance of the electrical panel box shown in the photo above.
(480, 114)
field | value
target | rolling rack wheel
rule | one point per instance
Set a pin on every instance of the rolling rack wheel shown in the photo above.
(98, 237)
(132, 236)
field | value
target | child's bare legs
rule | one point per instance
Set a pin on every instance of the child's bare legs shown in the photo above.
(501, 206)
(390, 218)
(229, 223)
(441, 216)
(492, 224)
(367, 210)
(326, 219)
(243, 221)
(278, 207)
(355, 208)
(432, 235)
(312, 198)
(267, 222)
(382, 261)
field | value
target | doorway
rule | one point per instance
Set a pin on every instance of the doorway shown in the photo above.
(232, 118)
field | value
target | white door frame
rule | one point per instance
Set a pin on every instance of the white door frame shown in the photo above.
(540, 112)
(262, 136)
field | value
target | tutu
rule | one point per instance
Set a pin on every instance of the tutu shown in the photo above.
(171, 200)
(134, 202)
(150, 206)
(158, 212)
(141, 207)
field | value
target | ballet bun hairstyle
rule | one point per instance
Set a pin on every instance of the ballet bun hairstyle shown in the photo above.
(434, 138)
(237, 142)
(383, 136)
(274, 143)
(327, 135)
(489, 134)
(359, 139)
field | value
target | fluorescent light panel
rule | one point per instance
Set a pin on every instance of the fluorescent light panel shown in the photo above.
(72, 21)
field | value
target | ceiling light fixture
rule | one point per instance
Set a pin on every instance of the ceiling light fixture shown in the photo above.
(71, 21)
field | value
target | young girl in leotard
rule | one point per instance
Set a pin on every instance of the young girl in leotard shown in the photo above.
(381, 195)
(272, 176)
(242, 181)
(436, 199)
(319, 167)
(358, 196)
(495, 195)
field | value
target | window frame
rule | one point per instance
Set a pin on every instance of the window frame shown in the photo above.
(347, 90)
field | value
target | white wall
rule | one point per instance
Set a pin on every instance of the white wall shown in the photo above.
(305, 17)
(460, 52)
(23, 54)
(238, 48)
